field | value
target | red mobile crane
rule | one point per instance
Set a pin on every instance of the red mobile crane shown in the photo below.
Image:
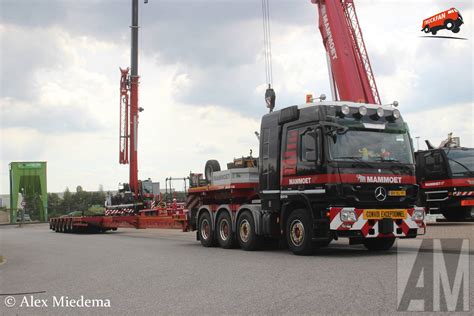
(138, 203)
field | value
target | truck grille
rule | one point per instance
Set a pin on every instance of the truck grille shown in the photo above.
(436, 196)
(365, 194)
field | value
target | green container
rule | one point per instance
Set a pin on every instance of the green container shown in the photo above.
(28, 179)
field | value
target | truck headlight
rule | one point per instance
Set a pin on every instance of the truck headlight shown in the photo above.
(418, 214)
(348, 215)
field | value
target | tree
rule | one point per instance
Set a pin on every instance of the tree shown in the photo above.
(67, 201)
(54, 205)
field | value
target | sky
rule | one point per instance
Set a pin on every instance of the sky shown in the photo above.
(202, 79)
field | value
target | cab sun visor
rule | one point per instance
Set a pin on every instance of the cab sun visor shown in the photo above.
(288, 114)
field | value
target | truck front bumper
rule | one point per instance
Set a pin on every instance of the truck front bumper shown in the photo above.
(377, 223)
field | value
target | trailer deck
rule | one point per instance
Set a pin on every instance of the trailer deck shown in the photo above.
(169, 217)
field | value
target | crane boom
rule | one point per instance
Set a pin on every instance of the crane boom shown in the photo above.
(349, 65)
(129, 108)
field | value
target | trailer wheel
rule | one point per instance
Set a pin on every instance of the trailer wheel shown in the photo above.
(206, 234)
(379, 244)
(211, 166)
(246, 234)
(299, 233)
(225, 236)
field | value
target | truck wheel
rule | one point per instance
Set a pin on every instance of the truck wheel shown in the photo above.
(456, 29)
(449, 24)
(379, 244)
(426, 29)
(206, 234)
(457, 214)
(246, 234)
(211, 166)
(299, 232)
(225, 236)
(434, 32)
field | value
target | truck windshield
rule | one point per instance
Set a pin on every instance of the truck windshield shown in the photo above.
(461, 162)
(371, 146)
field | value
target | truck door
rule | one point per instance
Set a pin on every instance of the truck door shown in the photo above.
(301, 153)
(432, 165)
(309, 150)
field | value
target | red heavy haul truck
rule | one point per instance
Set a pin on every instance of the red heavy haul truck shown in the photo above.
(325, 170)
(450, 19)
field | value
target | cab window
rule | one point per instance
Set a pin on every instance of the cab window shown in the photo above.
(309, 152)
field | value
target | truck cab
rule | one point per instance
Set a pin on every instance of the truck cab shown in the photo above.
(446, 177)
(349, 165)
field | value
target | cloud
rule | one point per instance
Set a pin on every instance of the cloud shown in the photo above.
(24, 52)
(435, 124)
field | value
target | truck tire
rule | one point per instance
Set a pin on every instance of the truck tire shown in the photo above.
(434, 32)
(456, 29)
(224, 234)
(299, 233)
(379, 244)
(246, 234)
(211, 166)
(457, 214)
(206, 234)
(426, 29)
(449, 24)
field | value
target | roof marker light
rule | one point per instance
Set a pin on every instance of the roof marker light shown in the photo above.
(396, 114)
(380, 112)
(345, 109)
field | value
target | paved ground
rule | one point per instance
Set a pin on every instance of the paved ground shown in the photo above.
(168, 272)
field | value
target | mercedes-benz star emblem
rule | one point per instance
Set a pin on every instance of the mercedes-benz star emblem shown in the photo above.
(380, 194)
